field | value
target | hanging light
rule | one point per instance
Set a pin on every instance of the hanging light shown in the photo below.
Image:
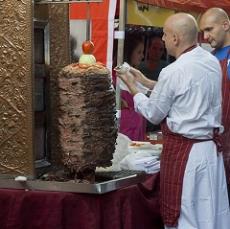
(142, 6)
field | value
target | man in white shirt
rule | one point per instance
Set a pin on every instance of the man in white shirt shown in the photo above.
(186, 100)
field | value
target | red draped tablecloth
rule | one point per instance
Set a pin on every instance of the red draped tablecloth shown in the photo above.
(134, 207)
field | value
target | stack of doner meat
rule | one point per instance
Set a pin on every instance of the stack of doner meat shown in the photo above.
(87, 118)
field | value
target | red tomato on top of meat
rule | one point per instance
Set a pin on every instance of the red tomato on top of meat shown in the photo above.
(87, 47)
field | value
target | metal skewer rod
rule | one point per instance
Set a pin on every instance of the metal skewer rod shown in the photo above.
(88, 21)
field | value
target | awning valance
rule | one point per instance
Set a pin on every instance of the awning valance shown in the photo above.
(189, 5)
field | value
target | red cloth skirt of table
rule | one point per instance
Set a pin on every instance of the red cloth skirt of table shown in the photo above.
(134, 207)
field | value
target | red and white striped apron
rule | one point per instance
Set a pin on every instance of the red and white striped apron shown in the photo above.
(174, 157)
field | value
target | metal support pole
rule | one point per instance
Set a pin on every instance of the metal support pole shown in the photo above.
(120, 52)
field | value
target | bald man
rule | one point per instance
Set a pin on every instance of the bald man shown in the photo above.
(186, 100)
(215, 25)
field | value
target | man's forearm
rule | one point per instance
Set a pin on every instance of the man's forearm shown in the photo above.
(147, 82)
(133, 89)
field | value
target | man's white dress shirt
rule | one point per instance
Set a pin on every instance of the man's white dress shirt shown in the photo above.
(188, 95)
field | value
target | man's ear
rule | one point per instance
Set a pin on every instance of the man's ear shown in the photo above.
(175, 39)
(226, 25)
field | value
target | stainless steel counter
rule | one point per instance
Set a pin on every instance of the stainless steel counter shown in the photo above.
(71, 186)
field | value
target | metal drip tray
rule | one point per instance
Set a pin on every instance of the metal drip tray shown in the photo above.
(71, 186)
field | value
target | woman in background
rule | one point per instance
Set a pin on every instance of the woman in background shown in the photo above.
(132, 124)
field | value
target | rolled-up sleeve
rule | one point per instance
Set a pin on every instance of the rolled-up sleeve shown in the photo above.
(157, 106)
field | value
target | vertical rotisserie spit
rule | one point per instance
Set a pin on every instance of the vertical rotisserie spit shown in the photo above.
(87, 122)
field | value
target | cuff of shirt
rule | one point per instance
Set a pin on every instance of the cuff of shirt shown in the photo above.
(138, 99)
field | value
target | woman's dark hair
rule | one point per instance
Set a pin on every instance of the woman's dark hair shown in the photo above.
(132, 40)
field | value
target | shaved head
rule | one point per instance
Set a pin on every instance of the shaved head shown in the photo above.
(184, 25)
(180, 33)
(215, 25)
(216, 14)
